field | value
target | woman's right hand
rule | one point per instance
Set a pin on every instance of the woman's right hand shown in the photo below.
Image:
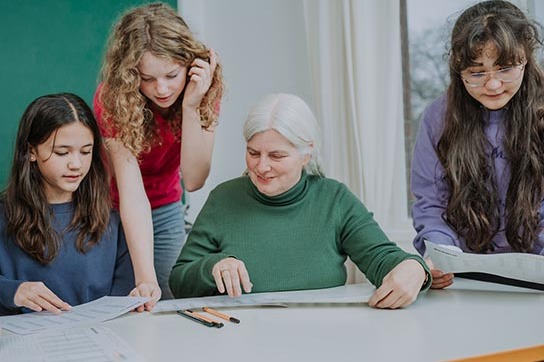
(230, 274)
(147, 289)
(441, 280)
(37, 297)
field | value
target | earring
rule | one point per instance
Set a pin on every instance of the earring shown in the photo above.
(32, 158)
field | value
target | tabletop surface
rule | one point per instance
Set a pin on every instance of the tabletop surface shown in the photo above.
(457, 322)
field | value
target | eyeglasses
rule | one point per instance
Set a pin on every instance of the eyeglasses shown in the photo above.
(505, 75)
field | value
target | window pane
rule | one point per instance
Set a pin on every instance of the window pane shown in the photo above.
(429, 24)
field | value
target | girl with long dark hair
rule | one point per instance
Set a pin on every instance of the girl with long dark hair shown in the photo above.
(60, 243)
(478, 166)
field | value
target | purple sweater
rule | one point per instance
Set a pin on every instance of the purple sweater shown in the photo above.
(432, 192)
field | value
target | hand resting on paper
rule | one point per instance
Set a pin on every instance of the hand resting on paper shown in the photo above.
(37, 297)
(441, 280)
(400, 286)
(230, 275)
(147, 289)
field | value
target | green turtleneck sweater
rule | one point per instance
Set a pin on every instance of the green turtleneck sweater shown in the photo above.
(297, 240)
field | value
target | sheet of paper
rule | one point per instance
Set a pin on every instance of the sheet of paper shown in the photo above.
(92, 344)
(96, 311)
(520, 266)
(352, 293)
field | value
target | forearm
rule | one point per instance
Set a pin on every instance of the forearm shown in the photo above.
(138, 226)
(8, 288)
(428, 211)
(123, 278)
(135, 211)
(429, 187)
(381, 257)
(194, 279)
(192, 273)
(438, 234)
(365, 242)
(196, 150)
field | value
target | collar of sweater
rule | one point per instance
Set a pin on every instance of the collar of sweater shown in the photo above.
(290, 196)
(63, 208)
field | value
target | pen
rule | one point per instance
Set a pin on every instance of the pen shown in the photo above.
(204, 318)
(221, 315)
(195, 319)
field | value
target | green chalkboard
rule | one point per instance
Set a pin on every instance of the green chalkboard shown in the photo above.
(50, 46)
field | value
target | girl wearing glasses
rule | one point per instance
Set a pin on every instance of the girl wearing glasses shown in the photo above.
(478, 165)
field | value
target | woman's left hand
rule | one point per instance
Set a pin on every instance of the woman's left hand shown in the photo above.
(400, 286)
(199, 80)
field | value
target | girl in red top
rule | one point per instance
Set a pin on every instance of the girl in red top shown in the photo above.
(157, 107)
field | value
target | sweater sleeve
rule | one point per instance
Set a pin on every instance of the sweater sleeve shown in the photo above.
(8, 288)
(366, 244)
(8, 282)
(192, 274)
(428, 185)
(123, 277)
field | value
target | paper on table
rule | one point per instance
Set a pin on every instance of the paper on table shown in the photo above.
(520, 266)
(95, 311)
(92, 344)
(352, 293)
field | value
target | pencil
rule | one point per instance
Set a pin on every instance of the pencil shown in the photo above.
(204, 318)
(195, 319)
(221, 315)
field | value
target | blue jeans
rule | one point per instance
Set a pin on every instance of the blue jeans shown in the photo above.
(169, 235)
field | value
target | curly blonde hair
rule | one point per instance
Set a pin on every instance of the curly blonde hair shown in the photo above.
(158, 29)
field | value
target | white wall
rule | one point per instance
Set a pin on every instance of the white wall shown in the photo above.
(262, 47)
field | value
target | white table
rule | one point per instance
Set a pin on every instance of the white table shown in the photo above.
(442, 324)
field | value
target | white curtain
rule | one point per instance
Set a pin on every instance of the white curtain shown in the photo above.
(355, 63)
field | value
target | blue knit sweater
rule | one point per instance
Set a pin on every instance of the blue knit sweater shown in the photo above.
(76, 278)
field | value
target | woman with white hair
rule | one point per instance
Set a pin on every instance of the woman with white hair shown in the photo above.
(285, 226)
